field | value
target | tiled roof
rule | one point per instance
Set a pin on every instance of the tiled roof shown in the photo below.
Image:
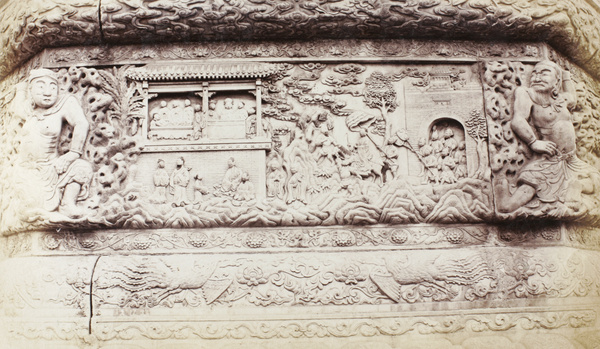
(203, 71)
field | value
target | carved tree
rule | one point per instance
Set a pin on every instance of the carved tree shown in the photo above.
(380, 94)
(477, 128)
(128, 101)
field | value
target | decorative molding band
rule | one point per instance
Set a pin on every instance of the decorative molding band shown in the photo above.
(335, 328)
(296, 50)
(145, 241)
(285, 238)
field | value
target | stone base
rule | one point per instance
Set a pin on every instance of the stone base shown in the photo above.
(377, 287)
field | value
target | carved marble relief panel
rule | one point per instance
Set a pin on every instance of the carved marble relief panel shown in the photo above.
(306, 143)
(537, 120)
(57, 288)
(154, 284)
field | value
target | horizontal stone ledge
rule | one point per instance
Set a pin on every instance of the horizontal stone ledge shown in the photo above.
(469, 323)
(298, 239)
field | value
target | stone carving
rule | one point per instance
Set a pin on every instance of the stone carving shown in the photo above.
(328, 280)
(444, 158)
(436, 278)
(49, 179)
(176, 119)
(129, 22)
(67, 242)
(161, 283)
(247, 19)
(161, 182)
(61, 23)
(333, 161)
(542, 122)
(59, 283)
(179, 180)
(336, 329)
(584, 236)
(318, 48)
(199, 189)
(348, 148)
(87, 99)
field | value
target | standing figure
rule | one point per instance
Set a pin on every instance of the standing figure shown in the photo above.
(275, 179)
(542, 119)
(188, 113)
(199, 124)
(430, 164)
(57, 181)
(460, 156)
(296, 186)
(251, 123)
(180, 178)
(448, 166)
(161, 182)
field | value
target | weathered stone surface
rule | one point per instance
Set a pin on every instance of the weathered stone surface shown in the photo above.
(174, 174)
(569, 26)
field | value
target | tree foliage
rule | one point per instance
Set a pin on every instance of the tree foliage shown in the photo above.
(379, 93)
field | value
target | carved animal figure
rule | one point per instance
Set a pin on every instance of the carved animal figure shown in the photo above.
(439, 272)
(161, 279)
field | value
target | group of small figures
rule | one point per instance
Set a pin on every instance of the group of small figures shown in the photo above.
(443, 157)
(236, 184)
(180, 114)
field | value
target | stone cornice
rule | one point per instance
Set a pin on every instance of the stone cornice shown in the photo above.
(570, 26)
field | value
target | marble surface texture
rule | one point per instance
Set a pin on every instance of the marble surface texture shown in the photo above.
(338, 173)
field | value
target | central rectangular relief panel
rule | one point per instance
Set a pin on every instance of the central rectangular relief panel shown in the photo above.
(202, 137)
(367, 141)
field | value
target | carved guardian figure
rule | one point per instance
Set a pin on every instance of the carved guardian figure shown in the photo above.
(63, 179)
(542, 119)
